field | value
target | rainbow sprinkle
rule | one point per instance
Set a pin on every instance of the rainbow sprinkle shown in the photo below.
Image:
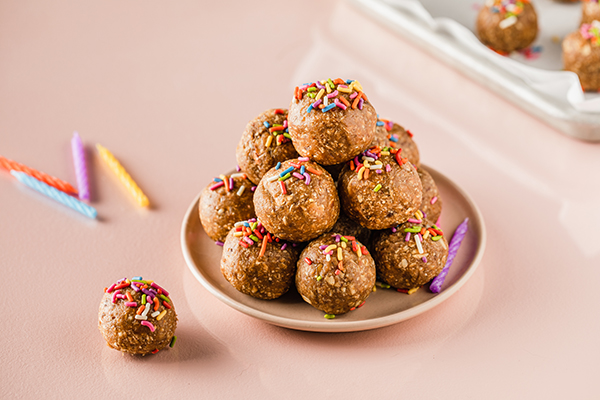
(510, 8)
(252, 232)
(336, 250)
(370, 160)
(332, 94)
(151, 293)
(591, 32)
(229, 183)
(296, 169)
(279, 132)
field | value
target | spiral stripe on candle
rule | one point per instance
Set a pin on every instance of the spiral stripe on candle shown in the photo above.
(123, 176)
(80, 167)
(455, 242)
(55, 194)
(11, 165)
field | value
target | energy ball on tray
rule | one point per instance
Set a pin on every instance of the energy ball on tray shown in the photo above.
(590, 11)
(581, 54)
(507, 25)
(137, 317)
(264, 143)
(335, 274)
(225, 201)
(297, 201)
(257, 263)
(409, 256)
(431, 205)
(390, 134)
(380, 189)
(331, 121)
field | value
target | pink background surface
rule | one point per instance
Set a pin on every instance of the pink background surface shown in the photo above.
(168, 87)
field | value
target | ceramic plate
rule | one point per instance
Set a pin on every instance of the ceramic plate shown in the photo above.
(383, 307)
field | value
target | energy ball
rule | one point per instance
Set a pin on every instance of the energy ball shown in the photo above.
(137, 317)
(257, 263)
(225, 201)
(331, 121)
(411, 255)
(581, 54)
(380, 189)
(335, 274)
(297, 201)
(264, 143)
(390, 134)
(431, 205)
(507, 25)
(590, 11)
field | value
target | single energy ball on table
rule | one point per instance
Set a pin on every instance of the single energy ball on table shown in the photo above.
(431, 205)
(331, 121)
(590, 11)
(297, 200)
(410, 255)
(257, 263)
(335, 273)
(137, 316)
(225, 201)
(380, 189)
(391, 134)
(507, 25)
(581, 54)
(264, 143)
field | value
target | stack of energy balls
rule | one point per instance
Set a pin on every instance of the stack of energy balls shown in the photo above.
(328, 197)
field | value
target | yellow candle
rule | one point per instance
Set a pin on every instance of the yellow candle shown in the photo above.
(123, 176)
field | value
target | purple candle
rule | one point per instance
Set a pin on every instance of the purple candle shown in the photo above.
(459, 234)
(80, 167)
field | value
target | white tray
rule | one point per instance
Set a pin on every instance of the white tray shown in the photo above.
(539, 86)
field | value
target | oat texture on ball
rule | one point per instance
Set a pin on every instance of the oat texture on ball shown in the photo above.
(335, 274)
(410, 255)
(297, 200)
(265, 142)
(330, 121)
(225, 201)
(581, 54)
(507, 25)
(137, 316)
(380, 188)
(590, 11)
(257, 263)
(431, 205)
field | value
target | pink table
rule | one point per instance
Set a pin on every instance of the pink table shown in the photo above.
(168, 87)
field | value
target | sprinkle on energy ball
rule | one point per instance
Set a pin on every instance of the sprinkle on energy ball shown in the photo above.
(326, 94)
(335, 250)
(591, 32)
(296, 170)
(252, 232)
(510, 8)
(280, 132)
(229, 183)
(369, 161)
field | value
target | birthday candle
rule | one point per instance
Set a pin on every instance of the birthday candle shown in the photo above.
(459, 234)
(80, 167)
(41, 176)
(55, 194)
(123, 176)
